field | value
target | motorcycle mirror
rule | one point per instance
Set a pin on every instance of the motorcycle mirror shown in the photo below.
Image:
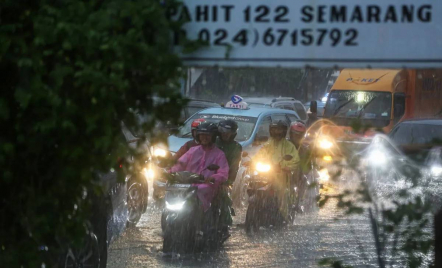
(245, 154)
(213, 167)
(313, 107)
(287, 157)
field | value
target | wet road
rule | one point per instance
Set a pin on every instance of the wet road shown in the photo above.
(312, 237)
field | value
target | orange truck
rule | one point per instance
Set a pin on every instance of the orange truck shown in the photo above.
(364, 101)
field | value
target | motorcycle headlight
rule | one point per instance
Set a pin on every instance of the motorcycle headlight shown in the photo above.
(176, 206)
(325, 143)
(262, 167)
(149, 173)
(159, 152)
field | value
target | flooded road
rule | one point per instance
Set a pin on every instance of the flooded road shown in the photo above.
(312, 237)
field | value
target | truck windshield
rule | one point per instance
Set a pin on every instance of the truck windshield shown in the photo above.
(246, 124)
(345, 106)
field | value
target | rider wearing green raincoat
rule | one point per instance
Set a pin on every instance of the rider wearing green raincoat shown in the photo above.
(274, 151)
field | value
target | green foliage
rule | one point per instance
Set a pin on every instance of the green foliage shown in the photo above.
(71, 72)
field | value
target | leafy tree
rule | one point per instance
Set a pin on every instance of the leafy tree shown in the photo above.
(71, 72)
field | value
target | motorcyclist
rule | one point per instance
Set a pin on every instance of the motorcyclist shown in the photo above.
(198, 158)
(297, 133)
(313, 115)
(226, 142)
(192, 142)
(275, 150)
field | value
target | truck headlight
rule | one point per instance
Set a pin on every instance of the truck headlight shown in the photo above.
(262, 167)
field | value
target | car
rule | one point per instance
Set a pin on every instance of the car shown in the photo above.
(417, 138)
(287, 103)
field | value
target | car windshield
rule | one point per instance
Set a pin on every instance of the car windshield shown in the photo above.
(246, 124)
(345, 106)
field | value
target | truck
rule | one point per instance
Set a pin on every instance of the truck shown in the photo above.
(363, 102)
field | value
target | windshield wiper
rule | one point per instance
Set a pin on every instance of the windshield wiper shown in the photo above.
(340, 107)
(365, 106)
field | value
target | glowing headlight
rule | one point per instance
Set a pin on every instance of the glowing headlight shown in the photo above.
(323, 175)
(149, 173)
(436, 170)
(325, 144)
(261, 167)
(377, 158)
(175, 207)
(327, 158)
(159, 152)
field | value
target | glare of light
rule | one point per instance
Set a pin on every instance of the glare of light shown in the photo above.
(360, 97)
(377, 158)
(323, 175)
(159, 152)
(436, 170)
(262, 167)
(324, 99)
(327, 158)
(149, 173)
(175, 207)
(325, 144)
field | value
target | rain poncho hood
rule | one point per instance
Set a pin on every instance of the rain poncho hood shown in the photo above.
(196, 160)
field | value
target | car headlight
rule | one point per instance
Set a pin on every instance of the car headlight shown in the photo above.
(325, 143)
(436, 170)
(377, 158)
(176, 206)
(262, 167)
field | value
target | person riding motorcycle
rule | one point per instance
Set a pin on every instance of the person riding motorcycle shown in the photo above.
(274, 151)
(198, 158)
(226, 142)
(297, 133)
(192, 142)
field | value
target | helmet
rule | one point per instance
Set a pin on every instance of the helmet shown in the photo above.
(207, 128)
(298, 128)
(228, 126)
(279, 124)
(197, 122)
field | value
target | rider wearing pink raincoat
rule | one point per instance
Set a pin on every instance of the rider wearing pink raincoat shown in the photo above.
(198, 158)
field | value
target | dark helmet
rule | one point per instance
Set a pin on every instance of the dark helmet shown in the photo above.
(229, 126)
(279, 124)
(207, 128)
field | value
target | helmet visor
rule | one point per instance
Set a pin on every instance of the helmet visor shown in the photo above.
(223, 129)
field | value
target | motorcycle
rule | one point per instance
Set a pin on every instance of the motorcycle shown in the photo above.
(186, 228)
(263, 208)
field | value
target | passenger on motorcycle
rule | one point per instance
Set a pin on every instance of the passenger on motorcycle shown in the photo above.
(275, 150)
(297, 133)
(191, 143)
(226, 142)
(198, 158)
